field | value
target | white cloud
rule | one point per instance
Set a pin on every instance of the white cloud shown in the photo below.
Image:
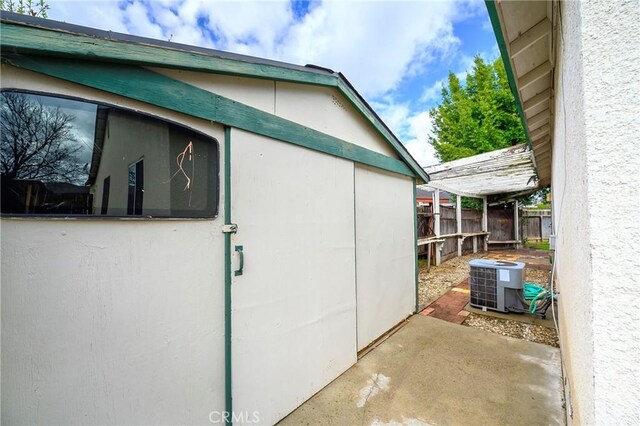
(420, 128)
(138, 21)
(104, 14)
(412, 128)
(423, 152)
(486, 25)
(433, 93)
(374, 43)
(394, 115)
(253, 28)
(495, 52)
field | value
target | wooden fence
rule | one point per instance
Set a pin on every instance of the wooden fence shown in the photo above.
(425, 221)
(533, 225)
(500, 224)
(471, 222)
(536, 224)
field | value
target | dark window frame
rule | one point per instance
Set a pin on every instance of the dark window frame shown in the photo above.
(98, 216)
(106, 187)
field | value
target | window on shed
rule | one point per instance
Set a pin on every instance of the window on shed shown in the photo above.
(67, 157)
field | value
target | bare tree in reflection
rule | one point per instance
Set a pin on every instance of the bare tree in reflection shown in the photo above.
(37, 141)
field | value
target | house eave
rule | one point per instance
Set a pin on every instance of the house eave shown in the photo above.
(524, 32)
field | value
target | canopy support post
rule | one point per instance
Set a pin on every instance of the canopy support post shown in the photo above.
(459, 223)
(485, 222)
(516, 225)
(436, 225)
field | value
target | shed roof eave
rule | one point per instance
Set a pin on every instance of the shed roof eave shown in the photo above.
(110, 46)
(361, 104)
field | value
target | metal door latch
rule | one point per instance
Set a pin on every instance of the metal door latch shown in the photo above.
(241, 266)
(231, 228)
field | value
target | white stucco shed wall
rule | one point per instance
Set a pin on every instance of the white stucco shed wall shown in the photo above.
(385, 251)
(123, 300)
(326, 110)
(294, 307)
(320, 108)
(93, 309)
(596, 199)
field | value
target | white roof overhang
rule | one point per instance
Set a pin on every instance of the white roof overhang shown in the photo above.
(524, 31)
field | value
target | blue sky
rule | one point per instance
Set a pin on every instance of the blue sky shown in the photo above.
(396, 53)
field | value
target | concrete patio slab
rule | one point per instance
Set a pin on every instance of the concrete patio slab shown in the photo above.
(437, 373)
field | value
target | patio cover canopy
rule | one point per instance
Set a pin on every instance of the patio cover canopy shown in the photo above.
(508, 171)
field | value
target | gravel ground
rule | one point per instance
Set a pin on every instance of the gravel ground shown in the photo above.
(439, 279)
(537, 276)
(519, 330)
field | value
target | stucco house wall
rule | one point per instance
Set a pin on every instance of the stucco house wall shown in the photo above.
(595, 152)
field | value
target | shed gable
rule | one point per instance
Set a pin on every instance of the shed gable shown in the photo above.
(33, 36)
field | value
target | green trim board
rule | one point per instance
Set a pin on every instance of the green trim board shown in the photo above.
(20, 37)
(504, 53)
(227, 275)
(361, 106)
(150, 87)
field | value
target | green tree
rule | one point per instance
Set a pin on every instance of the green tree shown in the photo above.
(26, 7)
(478, 116)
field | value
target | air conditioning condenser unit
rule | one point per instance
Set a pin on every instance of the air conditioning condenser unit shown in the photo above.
(496, 285)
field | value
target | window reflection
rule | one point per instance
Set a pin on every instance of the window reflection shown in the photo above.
(61, 156)
(136, 188)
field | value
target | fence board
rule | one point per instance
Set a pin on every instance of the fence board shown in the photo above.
(501, 224)
(536, 224)
(448, 226)
(532, 227)
(546, 227)
(471, 222)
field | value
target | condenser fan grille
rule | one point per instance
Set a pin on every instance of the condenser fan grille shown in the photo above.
(483, 287)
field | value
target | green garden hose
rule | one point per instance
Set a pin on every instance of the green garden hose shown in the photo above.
(532, 293)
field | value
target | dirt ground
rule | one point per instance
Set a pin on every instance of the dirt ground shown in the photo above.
(438, 280)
